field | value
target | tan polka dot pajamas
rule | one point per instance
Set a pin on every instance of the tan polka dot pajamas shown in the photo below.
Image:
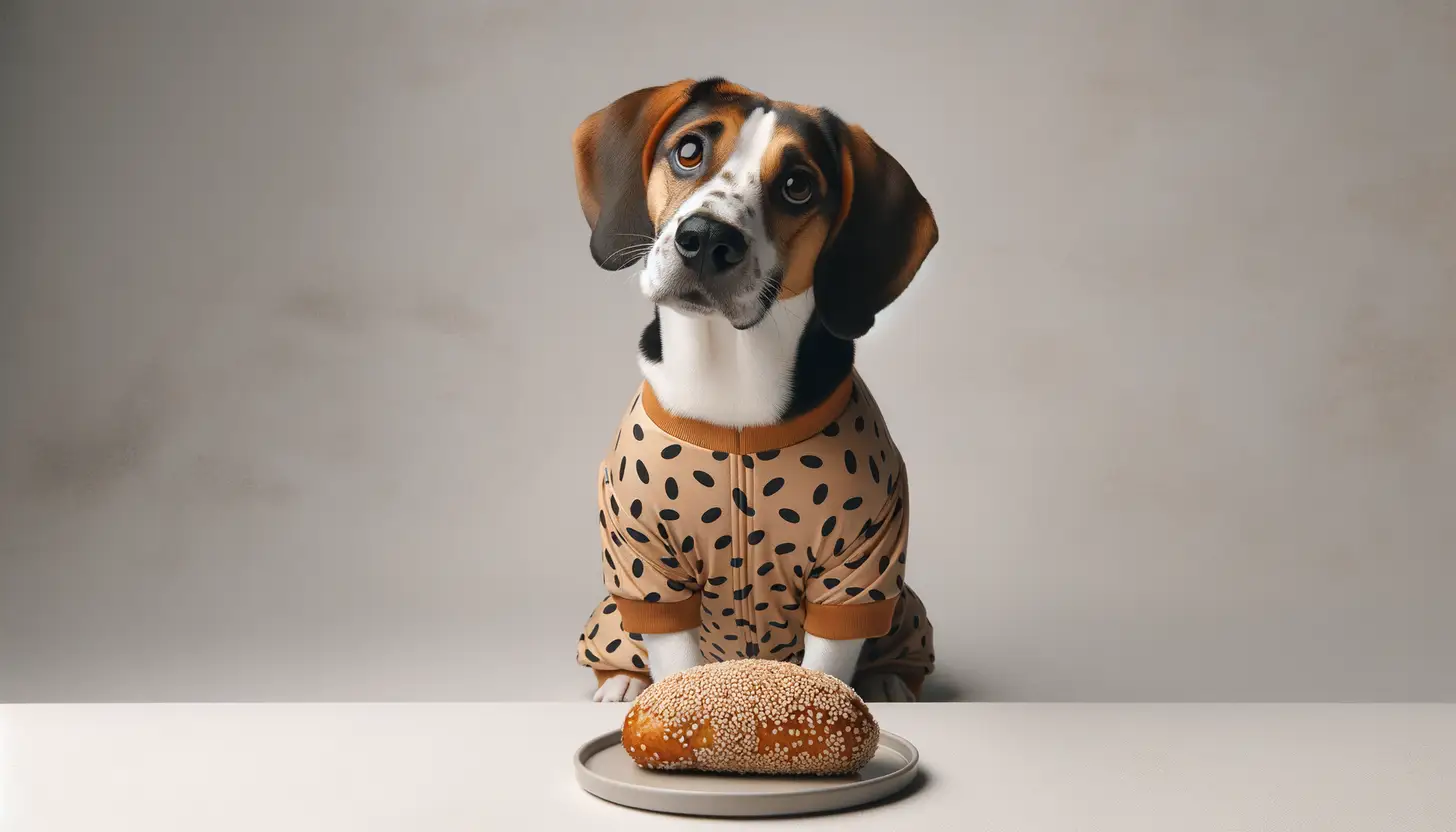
(755, 537)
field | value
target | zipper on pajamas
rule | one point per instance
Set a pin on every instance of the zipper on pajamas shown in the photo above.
(743, 595)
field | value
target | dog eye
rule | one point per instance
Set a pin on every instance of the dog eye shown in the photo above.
(799, 187)
(689, 153)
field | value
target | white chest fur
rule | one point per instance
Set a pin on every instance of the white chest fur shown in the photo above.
(715, 373)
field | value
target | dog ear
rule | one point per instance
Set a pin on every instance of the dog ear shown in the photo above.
(882, 234)
(614, 149)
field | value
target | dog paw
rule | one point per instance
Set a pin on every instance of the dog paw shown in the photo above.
(620, 688)
(884, 687)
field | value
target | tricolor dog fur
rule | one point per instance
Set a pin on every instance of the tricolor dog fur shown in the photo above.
(752, 504)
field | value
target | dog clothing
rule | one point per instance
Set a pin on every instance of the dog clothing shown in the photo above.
(756, 536)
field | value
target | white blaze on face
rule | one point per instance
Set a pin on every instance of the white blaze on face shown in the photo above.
(733, 195)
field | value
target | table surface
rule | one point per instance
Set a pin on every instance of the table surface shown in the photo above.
(504, 765)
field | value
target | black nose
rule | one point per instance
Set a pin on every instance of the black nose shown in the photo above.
(710, 246)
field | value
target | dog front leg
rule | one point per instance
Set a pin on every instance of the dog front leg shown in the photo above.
(835, 656)
(669, 653)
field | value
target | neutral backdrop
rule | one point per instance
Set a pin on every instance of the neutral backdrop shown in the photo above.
(306, 367)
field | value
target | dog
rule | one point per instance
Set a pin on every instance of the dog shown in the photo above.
(753, 504)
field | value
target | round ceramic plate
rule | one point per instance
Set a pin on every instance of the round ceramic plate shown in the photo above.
(604, 769)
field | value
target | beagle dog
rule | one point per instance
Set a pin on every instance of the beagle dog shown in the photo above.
(753, 504)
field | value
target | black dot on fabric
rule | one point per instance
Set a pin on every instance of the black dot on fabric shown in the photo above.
(622, 470)
(616, 541)
(789, 515)
(709, 594)
(668, 514)
(811, 461)
(675, 586)
(857, 562)
(593, 633)
(652, 597)
(755, 537)
(613, 645)
(740, 594)
(915, 622)
(772, 487)
(720, 455)
(899, 581)
(884, 563)
(609, 609)
(874, 469)
(687, 544)
(830, 583)
(591, 657)
(637, 536)
(821, 493)
(718, 580)
(859, 424)
(853, 591)
(670, 563)
(637, 432)
(854, 393)
(671, 451)
(761, 606)
(839, 546)
(783, 548)
(723, 542)
(741, 500)
(828, 526)
(608, 556)
(922, 641)
(765, 569)
(702, 477)
(778, 588)
(901, 558)
(798, 571)
(641, 472)
(877, 595)
(877, 430)
(899, 506)
(636, 567)
(882, 454)
(662, 532)
(874, 528)
(853, 503)
(831, 429)
(790, 607)
(635, 636)
(747, 461)
(638, 663)
(635, 509)
(712, 514)
(602, 518)
(850, 463)
(735, 562)
(751, 650)
(617, 581)
(618, 441)
(616, 509)
(671, 488)
(767, 455)
(726, 611)
(700, 566)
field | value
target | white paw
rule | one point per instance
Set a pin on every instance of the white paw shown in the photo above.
(621, 688)
(884, 687)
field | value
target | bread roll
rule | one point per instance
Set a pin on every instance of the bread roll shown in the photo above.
(751, 716)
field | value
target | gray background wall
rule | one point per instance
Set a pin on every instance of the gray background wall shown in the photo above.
(306, 367)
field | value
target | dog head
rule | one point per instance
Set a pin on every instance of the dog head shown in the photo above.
(738, 202)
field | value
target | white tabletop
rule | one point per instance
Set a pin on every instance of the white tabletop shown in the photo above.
(504, 766)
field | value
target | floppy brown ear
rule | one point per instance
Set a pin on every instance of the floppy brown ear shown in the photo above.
(884, 231)
(613, 149)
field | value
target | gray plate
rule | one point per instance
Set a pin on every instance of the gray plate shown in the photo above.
(604, 769)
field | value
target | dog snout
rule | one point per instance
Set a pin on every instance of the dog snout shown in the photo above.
(710, 246)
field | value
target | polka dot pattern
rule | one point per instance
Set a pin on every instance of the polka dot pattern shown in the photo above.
(773, 536)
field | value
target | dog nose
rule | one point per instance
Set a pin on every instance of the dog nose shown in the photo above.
(710, 246)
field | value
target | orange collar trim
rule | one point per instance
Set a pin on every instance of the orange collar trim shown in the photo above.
(749, 440)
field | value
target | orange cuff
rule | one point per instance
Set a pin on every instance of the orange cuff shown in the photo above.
(841, 621)
(656, 617)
